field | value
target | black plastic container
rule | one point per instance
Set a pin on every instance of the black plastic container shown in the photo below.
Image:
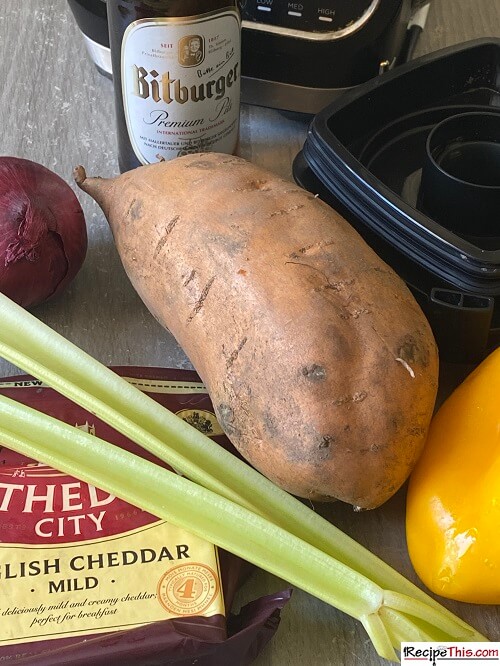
(364, 155)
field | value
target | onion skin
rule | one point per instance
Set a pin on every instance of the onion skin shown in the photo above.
(43, 237)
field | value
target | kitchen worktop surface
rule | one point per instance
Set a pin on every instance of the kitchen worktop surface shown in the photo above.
(58, 110)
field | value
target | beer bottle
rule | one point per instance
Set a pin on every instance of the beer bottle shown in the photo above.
(176, 72)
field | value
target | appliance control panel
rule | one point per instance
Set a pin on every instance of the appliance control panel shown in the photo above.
(321, 19)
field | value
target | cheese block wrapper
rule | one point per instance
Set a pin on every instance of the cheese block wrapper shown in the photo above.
(86, 578)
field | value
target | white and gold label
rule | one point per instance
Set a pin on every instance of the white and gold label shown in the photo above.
(181, 85)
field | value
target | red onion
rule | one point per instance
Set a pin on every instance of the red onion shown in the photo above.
(43, 238)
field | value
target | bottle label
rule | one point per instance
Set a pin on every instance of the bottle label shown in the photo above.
(181, 85)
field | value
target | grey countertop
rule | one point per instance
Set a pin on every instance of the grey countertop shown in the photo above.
(58, 110)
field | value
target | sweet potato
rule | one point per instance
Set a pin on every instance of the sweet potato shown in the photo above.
(320, 364)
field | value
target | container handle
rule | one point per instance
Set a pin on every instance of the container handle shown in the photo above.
(461, 324)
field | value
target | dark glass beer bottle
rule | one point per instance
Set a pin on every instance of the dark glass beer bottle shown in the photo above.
(176, 72)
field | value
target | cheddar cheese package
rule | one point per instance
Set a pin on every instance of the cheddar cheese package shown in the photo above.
(86, 578)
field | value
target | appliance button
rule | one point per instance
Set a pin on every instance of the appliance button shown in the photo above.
(326, 13)
(295, 9)
(265, 6)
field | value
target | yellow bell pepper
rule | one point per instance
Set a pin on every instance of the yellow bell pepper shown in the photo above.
(453, 502)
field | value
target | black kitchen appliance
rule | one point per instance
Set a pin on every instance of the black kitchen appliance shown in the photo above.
(299, 56)
(296, 56)
(91, 17)
(412, 160)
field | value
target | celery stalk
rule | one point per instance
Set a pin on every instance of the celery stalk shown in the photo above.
(214, 518)
(40, 351)
(402, 628)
